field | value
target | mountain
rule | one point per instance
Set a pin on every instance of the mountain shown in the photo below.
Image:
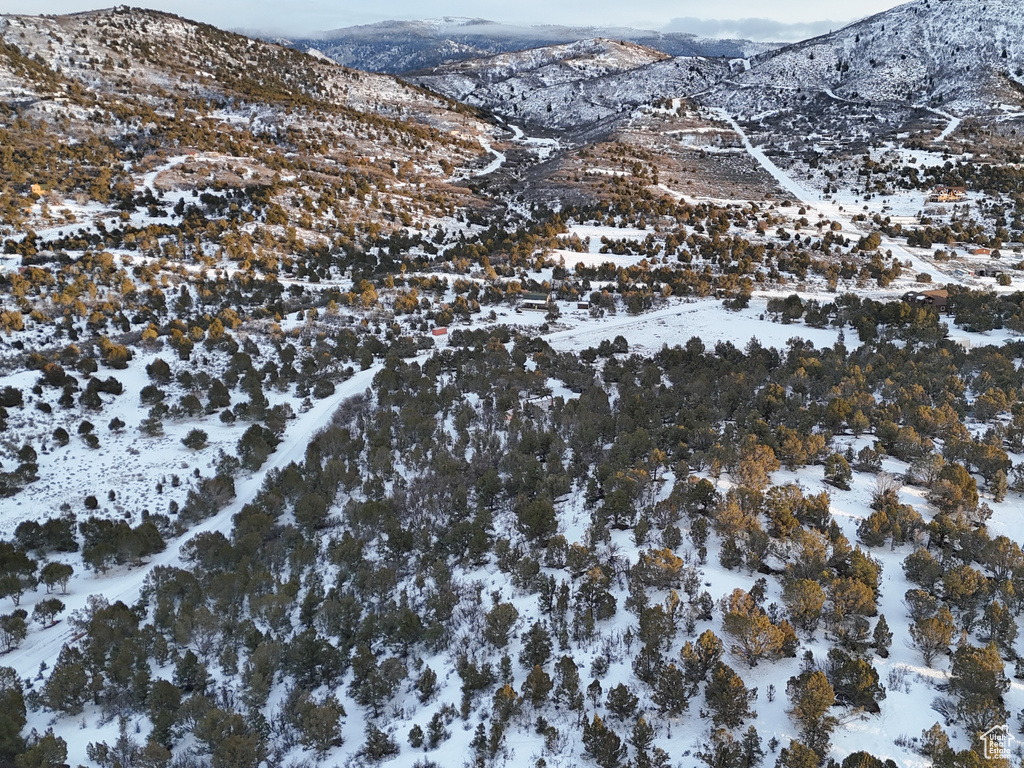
(887, 74)
(291, 474)
(116, 93)
(405, 46)
(965, 55)
(568, 87)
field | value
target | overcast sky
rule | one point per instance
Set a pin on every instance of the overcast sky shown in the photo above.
(294, 17)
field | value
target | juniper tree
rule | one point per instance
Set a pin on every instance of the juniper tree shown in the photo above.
(812, 696)
(728, 698)
(881, 637)
(602, 743)
(978, 681)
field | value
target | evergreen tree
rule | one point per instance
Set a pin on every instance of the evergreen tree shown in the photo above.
(12, 717)
(47, 751)
(602, 743)
(805, 599)
(728, 698)
(379, 745)
(537, 686)
(978, 680)
(621, 701)
(854, 680)
(536, 646)
(933, 634)
(56, 574)
(797, 755)
(671, 693)
(882, 637)
(568, 688)
(700, 657)
(812, 696)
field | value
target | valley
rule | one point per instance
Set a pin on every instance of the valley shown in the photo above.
(583, 403)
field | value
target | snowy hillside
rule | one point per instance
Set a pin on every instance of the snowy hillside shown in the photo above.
(406, 46)
(963, 55)
(572, 86)
(637, 412)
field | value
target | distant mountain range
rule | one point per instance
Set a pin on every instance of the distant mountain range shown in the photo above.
(966, 56)
(406, 46)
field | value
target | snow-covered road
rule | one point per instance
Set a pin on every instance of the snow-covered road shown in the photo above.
(495, 164)
(814, 204)
(952, 125)
(125, 584)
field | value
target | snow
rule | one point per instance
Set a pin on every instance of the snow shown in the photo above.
(495, 164)
(954, 123)
(125, 583)
(677, 323)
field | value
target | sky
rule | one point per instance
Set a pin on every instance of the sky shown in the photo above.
(753, 19)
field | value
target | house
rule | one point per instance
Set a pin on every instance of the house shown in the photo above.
(938, 298)
(442, 331)
(981, 251)
(541, 301)
(943, 194)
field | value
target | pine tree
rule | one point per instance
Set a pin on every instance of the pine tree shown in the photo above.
(728, 698)
(882, 637)
(12, 716)
(498, 623)
(568, 689)
(812, 696)
(536, 646)
(671, 694)
(537, 686)
(854, 680)
(797, 755)
(416, 736)
(751, 750)
(756, 637)
(700, 658)
(978, 681)
(602, 743)
(621, 701)
(933, 634)
(804, 598)
(999, 485)
(642, 736)
(47, 751)
(56, 574)
(379, 745)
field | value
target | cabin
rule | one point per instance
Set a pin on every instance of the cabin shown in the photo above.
(539, 301)
(943, 194)
(938, 298)
(988, 272)
(442, 331)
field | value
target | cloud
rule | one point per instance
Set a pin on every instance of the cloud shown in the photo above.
(767, 30)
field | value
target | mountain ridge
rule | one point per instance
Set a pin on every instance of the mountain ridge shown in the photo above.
(406, 46)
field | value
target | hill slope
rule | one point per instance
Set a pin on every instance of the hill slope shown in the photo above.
(966, 55)
(405, 46)
(565, 87)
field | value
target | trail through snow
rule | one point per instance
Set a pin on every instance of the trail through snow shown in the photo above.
(125, 584)
(495, 164)
(954, 123)
(813, 203)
